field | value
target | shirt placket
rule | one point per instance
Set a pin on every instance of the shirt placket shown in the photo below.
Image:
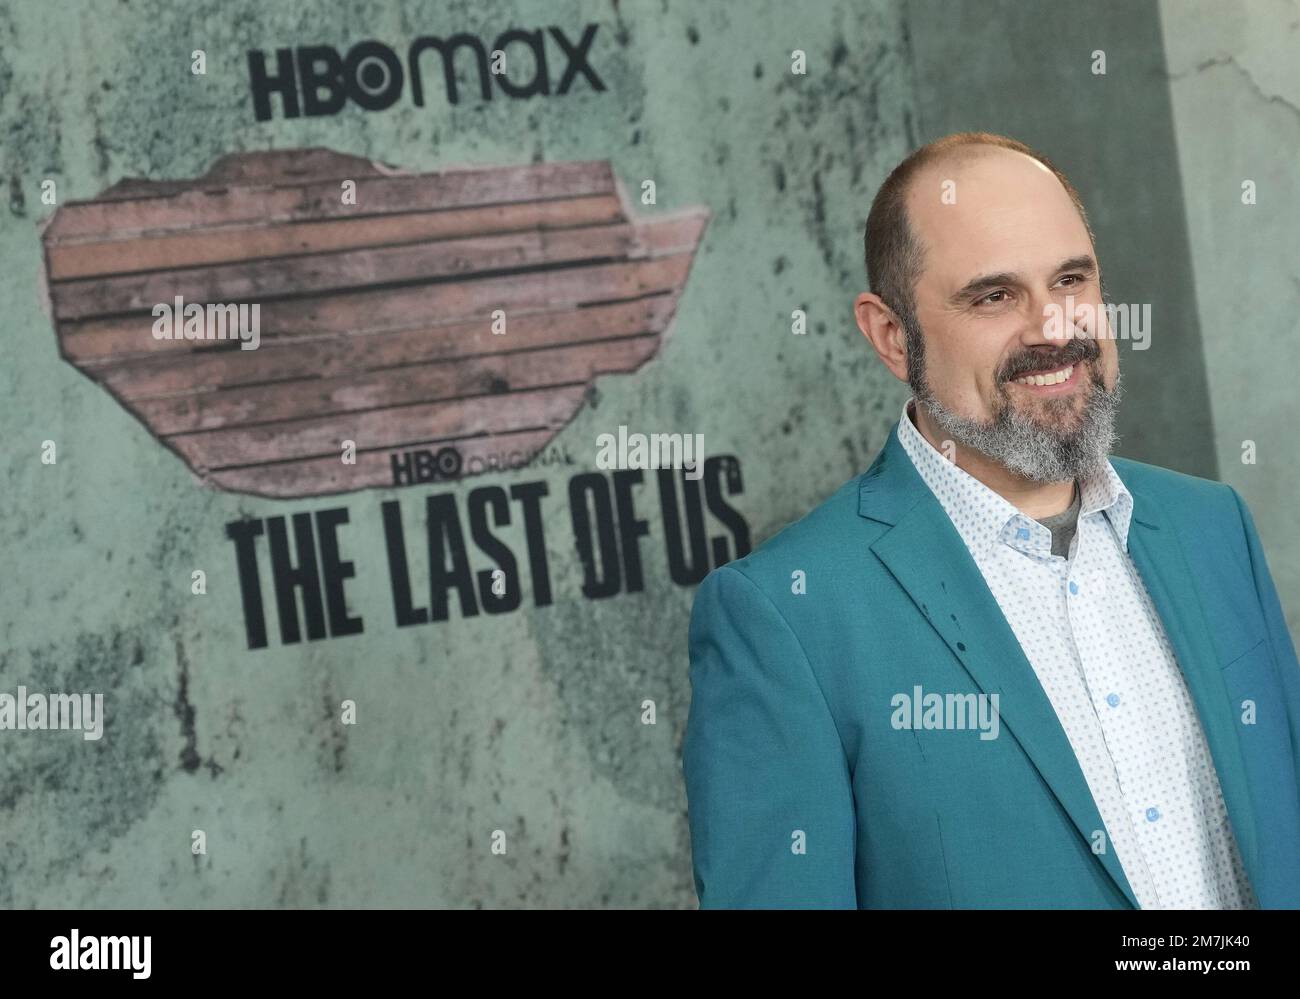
(1102, 679)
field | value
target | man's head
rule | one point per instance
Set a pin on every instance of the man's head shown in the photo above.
(970, 242)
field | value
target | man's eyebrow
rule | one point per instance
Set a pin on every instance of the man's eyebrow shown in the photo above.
(1083, 263)
(984, 282)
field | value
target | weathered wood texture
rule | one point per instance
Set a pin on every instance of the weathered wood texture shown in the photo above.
(376, 318)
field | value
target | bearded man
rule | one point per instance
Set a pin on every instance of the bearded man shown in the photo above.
(1109, 627)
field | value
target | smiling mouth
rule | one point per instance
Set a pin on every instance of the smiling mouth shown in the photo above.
(1054, 377)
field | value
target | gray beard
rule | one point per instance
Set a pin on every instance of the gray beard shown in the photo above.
(1036, 452)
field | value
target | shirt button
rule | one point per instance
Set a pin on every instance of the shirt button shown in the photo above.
(1112, 700)
(1153, 814)
(1074, 587)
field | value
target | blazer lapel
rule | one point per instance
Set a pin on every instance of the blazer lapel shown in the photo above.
(1159, 558)
(927, 557)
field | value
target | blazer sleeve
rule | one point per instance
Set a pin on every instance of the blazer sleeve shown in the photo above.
(1279, 639)
(767, 781)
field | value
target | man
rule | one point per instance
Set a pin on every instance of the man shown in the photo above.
(999, 669)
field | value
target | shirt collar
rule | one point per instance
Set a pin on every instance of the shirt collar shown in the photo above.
(985, 519)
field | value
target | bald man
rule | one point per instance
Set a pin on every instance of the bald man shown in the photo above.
(1001, 668)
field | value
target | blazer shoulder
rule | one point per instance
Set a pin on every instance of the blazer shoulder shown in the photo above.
(1178, 493)
(813, 539)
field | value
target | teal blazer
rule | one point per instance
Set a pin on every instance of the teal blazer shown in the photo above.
(802, 794)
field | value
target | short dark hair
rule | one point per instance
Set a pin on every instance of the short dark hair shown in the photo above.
(894, 255)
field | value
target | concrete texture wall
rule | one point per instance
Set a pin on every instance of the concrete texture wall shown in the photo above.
(529, 722)
(1235, 84)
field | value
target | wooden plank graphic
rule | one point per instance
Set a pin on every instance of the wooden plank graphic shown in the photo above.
(379, 304)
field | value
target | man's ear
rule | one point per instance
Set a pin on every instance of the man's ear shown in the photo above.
(884, 331)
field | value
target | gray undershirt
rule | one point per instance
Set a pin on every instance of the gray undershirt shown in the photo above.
(1063, 525)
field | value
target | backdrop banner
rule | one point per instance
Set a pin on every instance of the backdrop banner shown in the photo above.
(383, 378)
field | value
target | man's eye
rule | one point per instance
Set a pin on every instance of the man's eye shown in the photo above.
(1076, 278)
(991, 298)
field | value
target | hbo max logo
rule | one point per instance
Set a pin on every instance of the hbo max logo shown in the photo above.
(315, 80)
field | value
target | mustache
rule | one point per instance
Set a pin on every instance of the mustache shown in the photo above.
(1049, 358)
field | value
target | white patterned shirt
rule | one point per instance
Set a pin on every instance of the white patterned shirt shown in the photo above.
(1089, 630)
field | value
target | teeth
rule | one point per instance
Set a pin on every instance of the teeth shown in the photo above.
(1050, 378)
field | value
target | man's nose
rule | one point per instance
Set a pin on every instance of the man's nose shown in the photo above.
(1052, 320)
